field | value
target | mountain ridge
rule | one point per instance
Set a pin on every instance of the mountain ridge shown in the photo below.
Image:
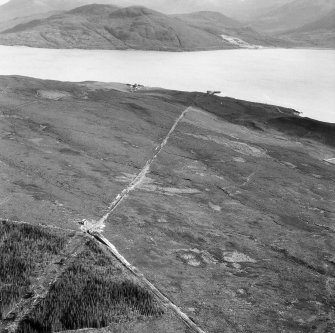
(135, 27)
(20, 8)
(220, 24)
(320, 33)
(280, 23)
(292, 15)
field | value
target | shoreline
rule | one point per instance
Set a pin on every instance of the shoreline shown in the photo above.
(259, 47)
(116, 86)
(299, 83)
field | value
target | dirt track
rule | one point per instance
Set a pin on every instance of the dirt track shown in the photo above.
(234, 221)
(135, 183)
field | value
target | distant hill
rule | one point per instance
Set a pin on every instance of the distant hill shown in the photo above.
(219, 24)
(208, 20)
(320, 33)
(8, 24)
(110, 27)
(293, 15)
(247, 9)
(17, 12)
(296, 23)
(240, 9)
(327, 22)
(22, 8)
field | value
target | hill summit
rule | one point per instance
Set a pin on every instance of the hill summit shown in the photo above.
(109, 27)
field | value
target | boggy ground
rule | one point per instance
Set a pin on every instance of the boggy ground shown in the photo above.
(234, 222)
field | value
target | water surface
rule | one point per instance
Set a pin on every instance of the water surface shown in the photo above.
(300, 79)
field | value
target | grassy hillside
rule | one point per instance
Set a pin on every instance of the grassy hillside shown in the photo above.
(267, 23)
(110, 27)
(237, 205)
(8, 24)
(326, 22)
(319, 33)
(14, 9)
(209, 20)
(218, 24)
(293, 15)
(301, 23)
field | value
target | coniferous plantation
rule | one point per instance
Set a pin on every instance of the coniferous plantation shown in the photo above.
(92, 292)
(24, 252)
(87, 288)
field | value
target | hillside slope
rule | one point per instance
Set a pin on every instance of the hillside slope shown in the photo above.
(293, 15)
(237, 205)
(320, 33)
(219, 24)
(240, 9)
(23, 8)
(327, 22)
(110, 27)
(13, 22)
(17, 12)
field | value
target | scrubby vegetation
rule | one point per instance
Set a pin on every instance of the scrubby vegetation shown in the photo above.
(92, 293)
(23, 250)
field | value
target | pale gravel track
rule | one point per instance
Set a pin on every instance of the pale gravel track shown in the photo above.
(94, 231)
(117, 201)
(99, 225)
(134, 271)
